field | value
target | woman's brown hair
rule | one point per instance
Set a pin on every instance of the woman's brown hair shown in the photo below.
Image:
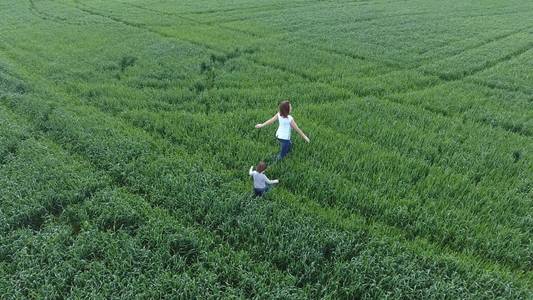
(284, 108)
(261, 166)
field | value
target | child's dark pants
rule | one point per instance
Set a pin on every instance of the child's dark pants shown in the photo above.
(261, 192)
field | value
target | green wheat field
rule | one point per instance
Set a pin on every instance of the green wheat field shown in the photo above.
(127, 131)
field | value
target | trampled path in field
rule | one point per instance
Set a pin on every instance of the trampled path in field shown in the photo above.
(127, 131)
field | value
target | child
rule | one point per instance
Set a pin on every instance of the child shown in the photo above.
(261, 182)
(286, 123)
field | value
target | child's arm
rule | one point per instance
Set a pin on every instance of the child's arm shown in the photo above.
(300, 132)
(251, 170)
(271, 181)
(268, 122)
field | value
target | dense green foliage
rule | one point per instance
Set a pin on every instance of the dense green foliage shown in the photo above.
(126, 133)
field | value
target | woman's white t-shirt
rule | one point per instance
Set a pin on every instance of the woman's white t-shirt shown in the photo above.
(284, 129)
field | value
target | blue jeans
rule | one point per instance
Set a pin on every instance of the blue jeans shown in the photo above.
(261, 192)
(285, 148)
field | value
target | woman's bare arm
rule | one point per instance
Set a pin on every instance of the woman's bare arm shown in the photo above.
(251, 170)
(300, 132)
(268, 122)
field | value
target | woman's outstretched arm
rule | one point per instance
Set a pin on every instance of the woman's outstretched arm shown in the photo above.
(300, 132)
(268, 122)
(251, 170)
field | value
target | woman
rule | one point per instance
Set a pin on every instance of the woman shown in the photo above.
(286, 124)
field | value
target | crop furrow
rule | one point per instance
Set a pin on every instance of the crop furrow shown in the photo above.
(495, 85)
(479, 44)
(45, 16)
(489, 64)
(351, 220)
(262, 8)
(447, 78)
(253, 34)
(192, 20)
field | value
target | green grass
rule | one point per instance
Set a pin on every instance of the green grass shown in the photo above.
(126, 132)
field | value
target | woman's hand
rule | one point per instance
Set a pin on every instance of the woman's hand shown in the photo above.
(268, 122)
(300, 132)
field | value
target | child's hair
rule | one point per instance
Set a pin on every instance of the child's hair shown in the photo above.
(261, 166)
(284, 108)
